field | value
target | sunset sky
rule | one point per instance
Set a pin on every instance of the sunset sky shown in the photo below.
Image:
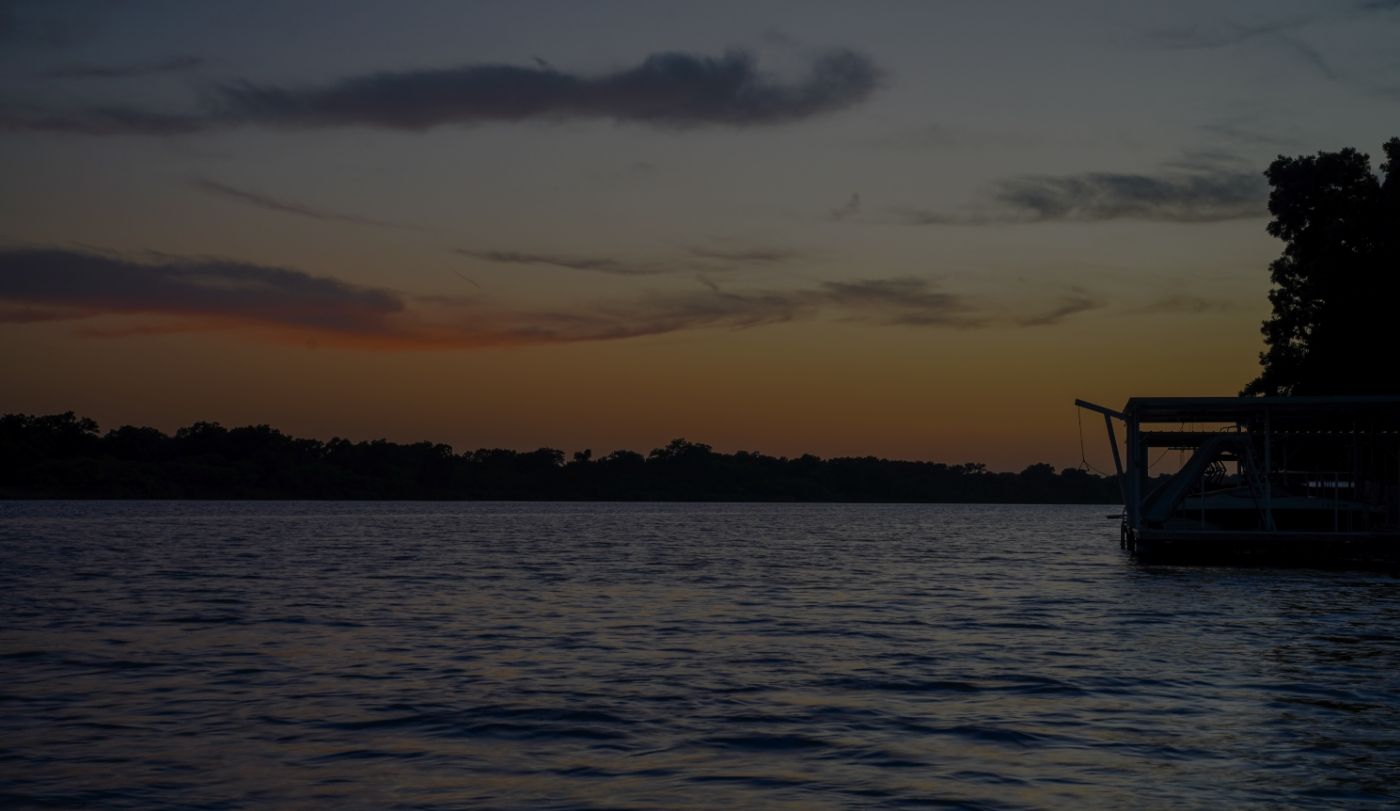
(916, 230)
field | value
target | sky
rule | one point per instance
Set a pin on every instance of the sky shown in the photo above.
(914, 230)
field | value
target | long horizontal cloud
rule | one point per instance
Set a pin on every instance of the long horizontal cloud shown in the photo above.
(176, 294)
(269, 203)
(677, 90)
(698, 258)
(672, 89)
(54, 284)
(1098, 196)
(106, 120)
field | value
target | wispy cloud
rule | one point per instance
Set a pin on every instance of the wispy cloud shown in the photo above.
(744, 256)
(669, 90)
(594, 264)
(1181, 304)
(1244, 136)
(167, 294)
(848, 209)
(1201, 196)
(1076, 301)
(1285, 35)
(107, 120)
(1224, 33)
(269, 203)
(177, 64)
(902, 301)
(1309, 56)
(696, 259)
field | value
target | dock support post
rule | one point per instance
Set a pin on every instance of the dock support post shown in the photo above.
(1268, 471)
(1135, 474)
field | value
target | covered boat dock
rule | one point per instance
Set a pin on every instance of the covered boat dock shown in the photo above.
(1300, 480)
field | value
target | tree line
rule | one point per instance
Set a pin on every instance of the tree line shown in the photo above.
(66, 456)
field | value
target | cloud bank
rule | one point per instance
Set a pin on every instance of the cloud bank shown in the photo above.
(669, 90)
(181, 294)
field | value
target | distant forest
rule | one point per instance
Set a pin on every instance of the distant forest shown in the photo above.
(65, 456)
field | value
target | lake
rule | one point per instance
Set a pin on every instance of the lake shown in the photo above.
(250, 655)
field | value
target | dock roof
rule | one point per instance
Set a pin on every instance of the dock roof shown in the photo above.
(1372, 408)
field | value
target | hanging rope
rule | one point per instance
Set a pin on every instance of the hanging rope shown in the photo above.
(1083, 457)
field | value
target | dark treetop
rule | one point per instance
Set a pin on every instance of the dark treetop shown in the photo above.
(64, 456)
(1335, 287)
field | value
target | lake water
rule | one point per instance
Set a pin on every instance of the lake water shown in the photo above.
(672, 656)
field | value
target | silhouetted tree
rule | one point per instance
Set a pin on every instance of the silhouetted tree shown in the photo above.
(1335, 287)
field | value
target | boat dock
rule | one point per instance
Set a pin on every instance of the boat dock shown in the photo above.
(1295, 480)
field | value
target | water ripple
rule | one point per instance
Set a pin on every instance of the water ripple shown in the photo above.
(644, 656)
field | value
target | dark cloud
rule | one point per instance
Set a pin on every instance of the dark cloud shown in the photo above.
(594, 264)
(674, 90)
(1206, 196)
(668, 89)
(217, 189)
(61, 284)
(173, 65)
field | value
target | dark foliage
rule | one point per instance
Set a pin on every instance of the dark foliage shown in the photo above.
(1336, 285)
(64, 456)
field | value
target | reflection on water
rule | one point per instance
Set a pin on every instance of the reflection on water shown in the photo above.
(163, 655)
